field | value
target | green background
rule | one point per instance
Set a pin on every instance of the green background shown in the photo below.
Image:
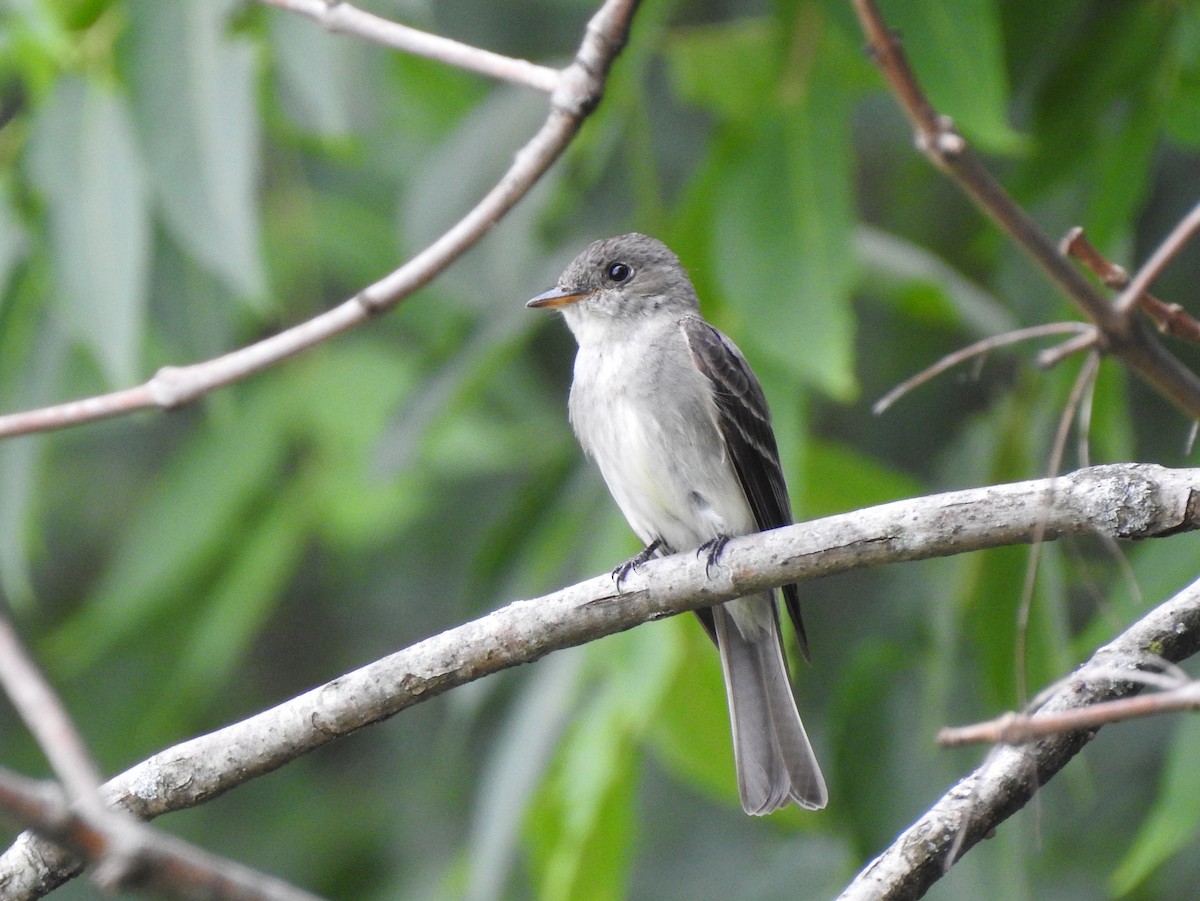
(181, 177)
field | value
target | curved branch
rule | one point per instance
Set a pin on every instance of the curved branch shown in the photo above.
(579, 89)
(978, 349)
(1011, 775)
(159, 864)
(1125, 501)
(349, 19)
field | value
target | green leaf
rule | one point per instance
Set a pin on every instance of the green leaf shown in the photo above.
(958, 55)
(84, 159)
(580, 828)
(1122, 167)
(14, 244)
(233, 611)
(863, 714)
(162, 552)
(1096, 112)
(34, 47)
(514, 768)
(849, 480)
(926, 287)
(193, 88)
(774, 198)
(320, 74)
(78, 14)
(1183, 104)
(35, 350)
(1174, 819)
(730, 68)
(691, 733)
(590, 852)
(784, 215)
(359, 501)
(1111, 435)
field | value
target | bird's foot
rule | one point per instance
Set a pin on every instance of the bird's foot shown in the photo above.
(647, 553)
(712, 549)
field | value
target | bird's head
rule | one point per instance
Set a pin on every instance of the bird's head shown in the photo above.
(620, 282)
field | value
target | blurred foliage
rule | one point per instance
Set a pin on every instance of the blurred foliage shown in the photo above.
(180, 177)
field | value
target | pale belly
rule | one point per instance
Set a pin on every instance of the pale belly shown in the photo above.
(666, 466)
(668, 471)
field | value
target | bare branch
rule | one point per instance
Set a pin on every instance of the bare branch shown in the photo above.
(1163, 254)
(40, 708)
(1075, 244)
(937, 138)
(1125, 501)
(1091, 339)
(124, 853)
(973, 808)
(979, 348)
(349, 19)
(579, 89)
(163, 866)
(1170, 318)
(1014, 728)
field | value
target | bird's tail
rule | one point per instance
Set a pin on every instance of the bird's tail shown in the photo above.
(775, 761)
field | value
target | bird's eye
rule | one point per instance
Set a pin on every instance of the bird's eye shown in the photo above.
(618, 272)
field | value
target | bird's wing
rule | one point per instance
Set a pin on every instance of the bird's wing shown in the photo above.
(745, 424)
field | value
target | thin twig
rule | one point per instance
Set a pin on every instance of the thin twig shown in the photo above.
(1085, 378)
(1014, 728)
(937, 138)
(1075, 244)
(580, 87)
(1091, 338)
(124, 853)
(1163, 254)
(1083, 424)
(349, 19)
(978, 349)
(1169, 318)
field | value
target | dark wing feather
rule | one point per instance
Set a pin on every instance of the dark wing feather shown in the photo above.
(745, 423)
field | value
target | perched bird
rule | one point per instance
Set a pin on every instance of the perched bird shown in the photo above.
(677, 423)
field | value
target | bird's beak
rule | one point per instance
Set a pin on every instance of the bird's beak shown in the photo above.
(555, 298)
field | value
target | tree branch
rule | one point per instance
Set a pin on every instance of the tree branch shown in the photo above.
(578, 90)
(1170, 318)
(124, 853)
(349, 19)
(1010, 776)
(159, 864)
(1163, 254)
(1014, 728)
(980, 348)
(42, 711)
(1122, 502)
(1123, 334)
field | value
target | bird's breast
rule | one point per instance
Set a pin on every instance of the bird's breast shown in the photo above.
(650, 427)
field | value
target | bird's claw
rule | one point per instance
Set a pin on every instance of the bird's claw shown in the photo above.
(712, 549)
(651, 550)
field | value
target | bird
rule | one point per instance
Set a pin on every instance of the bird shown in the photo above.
(678, 425)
